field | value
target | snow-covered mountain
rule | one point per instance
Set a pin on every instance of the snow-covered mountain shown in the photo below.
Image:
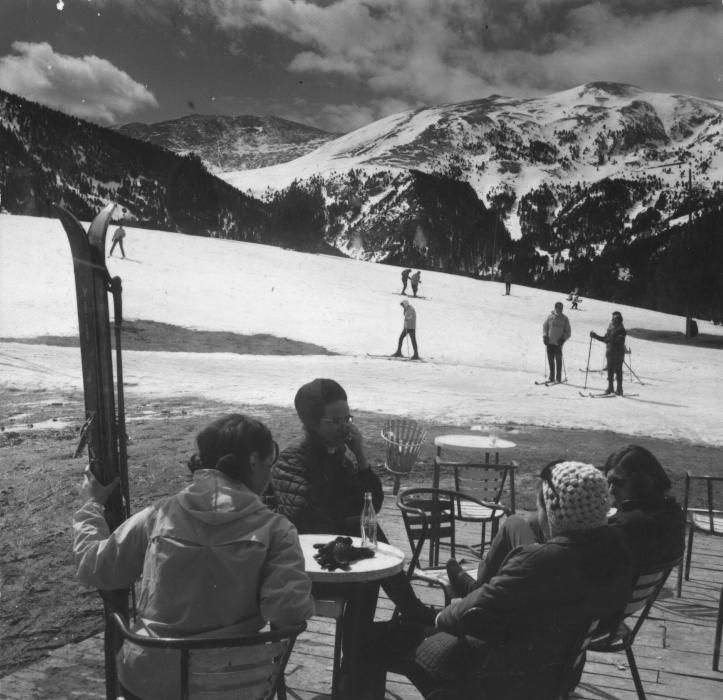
(510, 148)
(232, 142)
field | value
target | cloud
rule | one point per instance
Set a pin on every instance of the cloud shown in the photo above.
(88, 87)
(430, 51)
(449, 50)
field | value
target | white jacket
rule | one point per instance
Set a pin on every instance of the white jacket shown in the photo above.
(213, 560)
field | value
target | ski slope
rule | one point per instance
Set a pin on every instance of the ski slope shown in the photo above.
(483, 350)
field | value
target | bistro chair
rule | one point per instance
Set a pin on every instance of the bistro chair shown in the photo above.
(485, 482)
(248, 667)
(706, 520)
(625, 627)
(429, 516)
(543, 662)
(403, 438)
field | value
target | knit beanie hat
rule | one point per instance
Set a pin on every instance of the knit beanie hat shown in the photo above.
(311, 400)
(579, 499)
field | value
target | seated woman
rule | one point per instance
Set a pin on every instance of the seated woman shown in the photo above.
(651, 519)
(213, 559)
(532, 611)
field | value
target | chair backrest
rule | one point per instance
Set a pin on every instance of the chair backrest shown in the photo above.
(646, 587)
(247, 667)
(543, 662)
(404, 438)
(481, 480)
(708, 519)
(429, 515)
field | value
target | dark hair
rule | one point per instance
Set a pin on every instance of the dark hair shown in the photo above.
(648, 479)
(227, 444)
(313, 398)
(618, 314)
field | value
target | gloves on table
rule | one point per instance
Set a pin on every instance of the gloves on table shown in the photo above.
(338, 554)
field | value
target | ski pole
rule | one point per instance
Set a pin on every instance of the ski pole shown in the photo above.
(633, 373)
(564, 369)
(587, 366)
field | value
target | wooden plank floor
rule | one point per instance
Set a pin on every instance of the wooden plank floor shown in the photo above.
(673, 649)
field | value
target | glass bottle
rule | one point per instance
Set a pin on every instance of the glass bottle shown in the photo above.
(368, 523)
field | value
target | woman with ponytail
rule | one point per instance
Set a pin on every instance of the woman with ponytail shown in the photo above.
(212, 560)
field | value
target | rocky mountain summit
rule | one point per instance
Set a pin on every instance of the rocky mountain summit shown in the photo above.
(232, 143)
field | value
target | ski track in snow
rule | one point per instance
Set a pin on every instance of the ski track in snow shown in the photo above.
(482, 350)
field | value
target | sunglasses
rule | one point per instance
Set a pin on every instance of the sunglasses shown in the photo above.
(342, 420)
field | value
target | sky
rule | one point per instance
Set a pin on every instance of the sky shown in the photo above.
(483, 350)
(340, 64)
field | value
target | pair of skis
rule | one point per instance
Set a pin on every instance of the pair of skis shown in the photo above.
(548, 382)
(104, 429)
(604, 395)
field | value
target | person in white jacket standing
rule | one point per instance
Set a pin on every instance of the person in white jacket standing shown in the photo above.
(555, 332)
(213, 559)
(410, 329)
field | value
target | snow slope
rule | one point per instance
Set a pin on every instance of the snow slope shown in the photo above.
(484, 350)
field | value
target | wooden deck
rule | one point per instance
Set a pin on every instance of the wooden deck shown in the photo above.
(673, 649)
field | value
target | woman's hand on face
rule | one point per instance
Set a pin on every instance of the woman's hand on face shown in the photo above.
(355, 442)
(93, 490)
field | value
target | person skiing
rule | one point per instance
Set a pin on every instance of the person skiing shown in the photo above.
(405, 278)
(555, 332)
(118, 237)
(614, 340)
(410, 328)
(508, 283)
(416, 281)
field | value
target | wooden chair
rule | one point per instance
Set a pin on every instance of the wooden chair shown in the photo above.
(706, 520)
(248, 667)
(404, 438)
(625, 627)
(485, 482)
(429, 516)
(542, 663)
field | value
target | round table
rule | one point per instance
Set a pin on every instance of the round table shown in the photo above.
(350, 597)
(387, 560)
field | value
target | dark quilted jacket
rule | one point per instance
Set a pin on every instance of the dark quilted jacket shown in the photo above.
(320, 491)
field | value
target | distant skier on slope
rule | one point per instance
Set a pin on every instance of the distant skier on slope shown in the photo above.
(508, 282)
(118, 237)
(410, 329)
(614, 340)
(405, 278)
(555, 331)
(416, 281)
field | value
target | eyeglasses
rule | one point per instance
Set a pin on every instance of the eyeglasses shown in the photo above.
(616, 481)
(342, 420)
(546, 476)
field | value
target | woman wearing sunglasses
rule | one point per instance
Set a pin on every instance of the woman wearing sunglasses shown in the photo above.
(212, 559)
(531, 610)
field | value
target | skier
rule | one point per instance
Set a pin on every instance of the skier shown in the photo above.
(575, 301)
(508, 283)
(614, 340)
(405, 278)
(416, 281)
(410, 328)
(118, 237)
(555, 331)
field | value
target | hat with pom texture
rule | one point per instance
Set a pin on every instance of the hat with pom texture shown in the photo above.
(579, 500)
